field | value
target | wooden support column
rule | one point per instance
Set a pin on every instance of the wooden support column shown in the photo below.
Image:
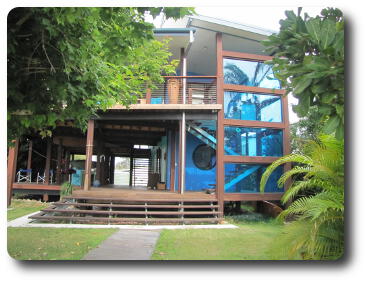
(112, 169)
(99, 165)
(220, 125)
(131, 167)
(29, 160)
(67, 164)
(88, 155)
(173, 161)
(148, 96)
(12, 167)
(179, 156)
(48, 161)
(59, 163)
(45, 197)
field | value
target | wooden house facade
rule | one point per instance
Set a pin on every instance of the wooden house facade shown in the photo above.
(200, 139)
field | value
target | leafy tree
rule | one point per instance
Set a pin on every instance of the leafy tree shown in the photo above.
(316, 230)
(309, 60)
(305, 129)
(68, 63)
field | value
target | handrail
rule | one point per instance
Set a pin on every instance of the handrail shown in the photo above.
(183, 77)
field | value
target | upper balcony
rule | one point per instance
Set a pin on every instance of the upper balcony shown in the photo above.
(180, 93)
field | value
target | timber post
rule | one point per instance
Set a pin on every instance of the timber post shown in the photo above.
(88, 156)
(48, 161)
(12, 167)
(59, 162)
(112, 169)
(29, 159)
(173, 161)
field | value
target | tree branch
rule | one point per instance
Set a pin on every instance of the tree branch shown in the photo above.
(44, 49)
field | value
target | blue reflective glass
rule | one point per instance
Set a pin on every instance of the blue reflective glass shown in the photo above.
(253, 107)
(249, 73)
(245, 178)
(253, 141)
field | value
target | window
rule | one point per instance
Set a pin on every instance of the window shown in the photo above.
(245, 178)
(204, 157)
(253, 107)
(253, 141)
(249, 73)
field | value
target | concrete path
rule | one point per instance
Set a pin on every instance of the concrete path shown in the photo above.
(25, 222)
(126, 245)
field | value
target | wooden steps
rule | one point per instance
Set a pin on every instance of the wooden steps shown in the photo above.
(94, 210)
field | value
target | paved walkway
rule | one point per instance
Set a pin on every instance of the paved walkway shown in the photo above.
(126, 245)
(25, 221)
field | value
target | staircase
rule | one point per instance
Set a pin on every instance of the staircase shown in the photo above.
(94, 210)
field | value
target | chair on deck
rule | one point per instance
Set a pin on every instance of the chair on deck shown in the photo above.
(24, 175)
(42, 178)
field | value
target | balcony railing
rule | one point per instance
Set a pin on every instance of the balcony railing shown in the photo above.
(183, 90)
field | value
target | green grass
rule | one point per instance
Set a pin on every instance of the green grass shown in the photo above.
(54, 243)
(49, 243)
(253, 240)
(21, 207)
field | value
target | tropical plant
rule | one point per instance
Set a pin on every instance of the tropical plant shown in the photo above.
(316, 215)
(309, 61)
(66, 189)
(306, 128)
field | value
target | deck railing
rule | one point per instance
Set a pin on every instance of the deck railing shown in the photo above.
(183, 90)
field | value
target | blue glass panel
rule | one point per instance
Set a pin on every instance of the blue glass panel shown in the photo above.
(253, 107)
(249, 73)
(200, 175)
(253, 141)
(245, 178)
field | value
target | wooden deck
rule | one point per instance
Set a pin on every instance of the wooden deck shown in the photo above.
(141, 194)
(121, 192)
(121, 205)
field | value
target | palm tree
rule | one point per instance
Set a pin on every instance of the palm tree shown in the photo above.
(315, 228)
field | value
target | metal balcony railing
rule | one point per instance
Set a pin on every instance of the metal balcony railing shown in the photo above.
(183, 90)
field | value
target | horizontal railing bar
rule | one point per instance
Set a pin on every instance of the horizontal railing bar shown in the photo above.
(182, 77)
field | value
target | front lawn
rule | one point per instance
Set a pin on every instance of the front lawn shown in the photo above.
(54, 243)
(49, 243)
(21, 207)
(253, 240)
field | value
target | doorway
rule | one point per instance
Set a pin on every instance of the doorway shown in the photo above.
(122, 171)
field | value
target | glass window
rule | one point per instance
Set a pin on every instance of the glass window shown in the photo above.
(245, 178)
(253, 141)
(253, 107)
(249, 73)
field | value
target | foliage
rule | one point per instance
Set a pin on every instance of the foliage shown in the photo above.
(309, 60)
(318, 226)
(306, 128)
(68, 63)
(66, 189)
